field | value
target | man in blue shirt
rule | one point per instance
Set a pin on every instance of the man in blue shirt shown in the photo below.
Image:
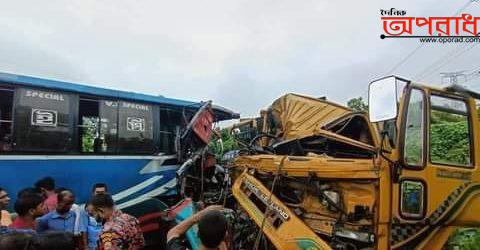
(63, 219)
(94, 228)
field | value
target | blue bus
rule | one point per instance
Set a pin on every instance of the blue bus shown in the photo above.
(81, 135)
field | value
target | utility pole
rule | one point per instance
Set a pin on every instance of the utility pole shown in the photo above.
(453, 77)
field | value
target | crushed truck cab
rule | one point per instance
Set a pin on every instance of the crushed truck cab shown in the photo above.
(320, 175)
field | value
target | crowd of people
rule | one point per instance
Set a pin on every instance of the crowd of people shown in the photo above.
(47, 218)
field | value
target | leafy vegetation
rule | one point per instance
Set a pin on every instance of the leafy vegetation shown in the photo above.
(465, 238)
(413, 146)
(450, 143)
(89, 133)
(357, 104)
(229, 144)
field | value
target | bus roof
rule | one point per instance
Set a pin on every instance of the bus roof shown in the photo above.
(220, 112)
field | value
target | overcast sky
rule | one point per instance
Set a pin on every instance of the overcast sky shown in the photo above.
(240, 54)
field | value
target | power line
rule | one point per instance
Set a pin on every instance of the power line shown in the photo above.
(472, 85)
(401, 62)
(404, 59)
(449, 56)
(439, 61)
(446, 62)
(464, 7)
(454, 76)
(472, 76)
(466, 76)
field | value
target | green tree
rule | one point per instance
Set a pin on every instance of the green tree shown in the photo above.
(465, 238)
(357, 104)
(89, 127)
(229, 144)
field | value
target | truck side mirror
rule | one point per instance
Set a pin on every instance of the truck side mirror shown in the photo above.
(382, 99)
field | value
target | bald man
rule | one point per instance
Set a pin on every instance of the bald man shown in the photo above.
(63, 219)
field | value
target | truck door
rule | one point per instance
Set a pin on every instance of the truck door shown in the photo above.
(437, 161)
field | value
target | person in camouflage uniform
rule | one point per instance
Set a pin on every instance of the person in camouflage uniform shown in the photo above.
(120, 230)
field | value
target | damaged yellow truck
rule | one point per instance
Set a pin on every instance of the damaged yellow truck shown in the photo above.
(321, 176)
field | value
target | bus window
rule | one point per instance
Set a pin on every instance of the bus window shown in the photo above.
(135, 128)
(97, 121)
(6, 105)
(171, 122)
(88, 122)
(43, 121)
(108, 127)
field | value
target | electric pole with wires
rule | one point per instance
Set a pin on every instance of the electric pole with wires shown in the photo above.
(453, 77)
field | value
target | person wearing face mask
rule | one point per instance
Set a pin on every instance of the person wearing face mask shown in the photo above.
(94, 227)
(28, 208)
(120, 230)
(85, 212)
(63, 219)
